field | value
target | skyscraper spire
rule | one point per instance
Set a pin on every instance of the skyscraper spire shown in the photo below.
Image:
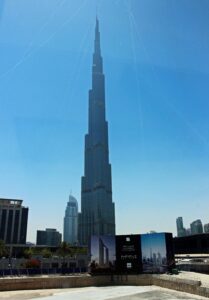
(97, 38)
(97, 215)
(97, 59)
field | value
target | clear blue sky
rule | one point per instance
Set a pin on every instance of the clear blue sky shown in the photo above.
(156, 63)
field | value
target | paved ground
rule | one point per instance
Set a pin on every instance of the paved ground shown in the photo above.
(101, 293)
(204, 278)
(114, 293)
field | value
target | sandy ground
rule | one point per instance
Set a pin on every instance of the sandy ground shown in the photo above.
(116, 292)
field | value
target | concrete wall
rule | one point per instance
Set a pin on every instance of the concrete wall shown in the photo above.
(32, 283)
(183, 285)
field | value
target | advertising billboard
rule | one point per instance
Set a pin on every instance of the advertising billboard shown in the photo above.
(102, 254)
(128, 254)
(154, 253)
(170, 251)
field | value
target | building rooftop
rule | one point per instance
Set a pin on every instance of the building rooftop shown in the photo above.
(10, 202)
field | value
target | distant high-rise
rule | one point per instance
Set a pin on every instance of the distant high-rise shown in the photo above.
(196, 227)
(188, 231)
(71, 221)
(181, 231)
(97, 215)
(13, 221)
(48, 237)
(206, 228)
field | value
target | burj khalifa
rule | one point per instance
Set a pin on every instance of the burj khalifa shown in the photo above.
(97, 215)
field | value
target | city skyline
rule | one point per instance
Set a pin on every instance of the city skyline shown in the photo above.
(153, 243)
(156, 62)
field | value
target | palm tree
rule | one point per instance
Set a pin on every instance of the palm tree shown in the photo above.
(64, 249)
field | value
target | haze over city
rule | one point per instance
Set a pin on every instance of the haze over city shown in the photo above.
(156, 62)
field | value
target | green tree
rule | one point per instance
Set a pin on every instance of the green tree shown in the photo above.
(78, 250)
(64, 249)
(3, 249)
(28, 253)
(46, 253)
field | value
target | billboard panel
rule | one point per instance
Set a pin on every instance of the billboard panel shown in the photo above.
(170, 251)
(154, 253)
(128, 254)
(102, 253)
(146, 253)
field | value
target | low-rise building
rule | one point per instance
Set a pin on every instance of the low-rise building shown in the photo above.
(48, 237)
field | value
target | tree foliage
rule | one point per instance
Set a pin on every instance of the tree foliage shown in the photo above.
(3, 249)
(64, 249)
(28, 253)
(46, 253)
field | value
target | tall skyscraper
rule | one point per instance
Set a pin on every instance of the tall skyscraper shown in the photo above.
(196, 227)
(71, 221)
(181, 231)
(206, 228)
(13, 221)
(97, 215)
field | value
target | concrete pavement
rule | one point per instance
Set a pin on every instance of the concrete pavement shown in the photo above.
(101, 293)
